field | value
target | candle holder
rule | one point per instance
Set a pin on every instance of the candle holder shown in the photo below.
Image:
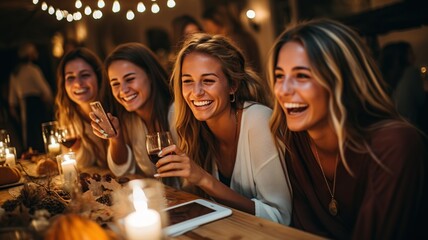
(10, 156)
(4, 143)
(142, 215)
(50, 138)
(67, 168)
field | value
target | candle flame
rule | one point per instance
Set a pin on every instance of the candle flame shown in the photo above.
(52, 139)
(139, 199)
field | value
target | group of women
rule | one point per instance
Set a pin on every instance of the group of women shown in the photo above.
(333, 157)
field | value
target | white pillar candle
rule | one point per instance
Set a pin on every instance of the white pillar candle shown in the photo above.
(69, 172)
(10, 158)
(144, 223)
(54, 147)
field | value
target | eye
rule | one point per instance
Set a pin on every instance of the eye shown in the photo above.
(279, 76)
(302, 76)
(186, 81)
(130, 79)
(208, 81)
(69, 78)
(114, 84)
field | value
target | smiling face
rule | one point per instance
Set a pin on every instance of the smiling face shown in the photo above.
(80, 81)
(205, 87)
(130, 85)
(302, 98)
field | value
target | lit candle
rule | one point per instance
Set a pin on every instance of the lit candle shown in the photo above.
(69, 171)
(53, 147)
(144, 223)
(10, 158)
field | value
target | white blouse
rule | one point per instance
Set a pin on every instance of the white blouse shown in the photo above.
(257, 173)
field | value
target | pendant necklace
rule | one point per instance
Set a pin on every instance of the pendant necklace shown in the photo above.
(333, 206)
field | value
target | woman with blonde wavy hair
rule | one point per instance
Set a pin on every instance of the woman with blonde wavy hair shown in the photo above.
(355, 167)
(225, 147)
(81, 80)
(140, 84)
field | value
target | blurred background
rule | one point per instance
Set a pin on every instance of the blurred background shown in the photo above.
(54, 26)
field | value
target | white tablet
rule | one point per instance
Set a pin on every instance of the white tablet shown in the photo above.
(189, 215)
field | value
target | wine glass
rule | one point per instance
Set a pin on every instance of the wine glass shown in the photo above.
(155, 142)
(67, 136)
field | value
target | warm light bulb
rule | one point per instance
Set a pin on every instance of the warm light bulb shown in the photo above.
(88, 10)
(130, 15)
(77, 16)
(140, 7)
(251, 14)
(170, 3)
(59, 15)
(97, 14)
(35, 2)
(51, 10)
(78, 4)
(116, 6)
(44, 6)
(155, 8)
(101, 3)
(69, 18)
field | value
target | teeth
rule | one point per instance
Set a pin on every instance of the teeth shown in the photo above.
(201, 103)
(129, 98)
(80, 91)
(295, 105)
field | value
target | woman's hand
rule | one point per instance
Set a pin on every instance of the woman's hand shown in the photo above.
(99, 131)
(175, 163)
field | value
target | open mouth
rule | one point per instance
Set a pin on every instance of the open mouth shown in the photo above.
(295, 108)
(80, 91)
(201, 103)
(130, 97)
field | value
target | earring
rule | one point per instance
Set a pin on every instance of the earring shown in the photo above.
(232, 97)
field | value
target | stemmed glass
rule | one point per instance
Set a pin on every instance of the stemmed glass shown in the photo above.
(67, 136)
(156, 142)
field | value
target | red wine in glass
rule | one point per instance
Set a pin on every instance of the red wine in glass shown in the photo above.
(154, 157)
(156, 142)
(68, 142)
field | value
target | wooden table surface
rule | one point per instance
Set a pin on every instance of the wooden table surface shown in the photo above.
(239, 225)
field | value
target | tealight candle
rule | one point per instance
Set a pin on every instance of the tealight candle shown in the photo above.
(144, 223)
(69, 171)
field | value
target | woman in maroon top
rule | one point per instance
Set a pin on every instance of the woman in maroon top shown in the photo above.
(355, 167)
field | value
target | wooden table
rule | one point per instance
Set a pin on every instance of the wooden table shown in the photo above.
(239, 225)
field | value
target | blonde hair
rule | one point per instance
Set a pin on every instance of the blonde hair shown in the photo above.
(195, 138)
(68, 113)
(358, 103)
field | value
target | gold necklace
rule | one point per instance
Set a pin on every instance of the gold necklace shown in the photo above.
(333, 206)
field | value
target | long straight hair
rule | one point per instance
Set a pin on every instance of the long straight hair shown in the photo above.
(358, 102)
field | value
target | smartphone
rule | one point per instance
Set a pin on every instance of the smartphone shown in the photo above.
(189, 215)
(105, 122)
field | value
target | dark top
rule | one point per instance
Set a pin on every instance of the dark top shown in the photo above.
(375, 203)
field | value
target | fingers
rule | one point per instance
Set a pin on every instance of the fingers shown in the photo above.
(171, 149)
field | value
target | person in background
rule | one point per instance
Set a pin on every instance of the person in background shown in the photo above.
(355, 167)
(224, 145)
(396, 63)
(182, 26)
(30, 97)
(81, 80)
(219, 20)
(140, 85)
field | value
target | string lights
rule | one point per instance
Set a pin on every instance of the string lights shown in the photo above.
(96, 11)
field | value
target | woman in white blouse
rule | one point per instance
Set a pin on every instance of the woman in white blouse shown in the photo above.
(225, 147)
